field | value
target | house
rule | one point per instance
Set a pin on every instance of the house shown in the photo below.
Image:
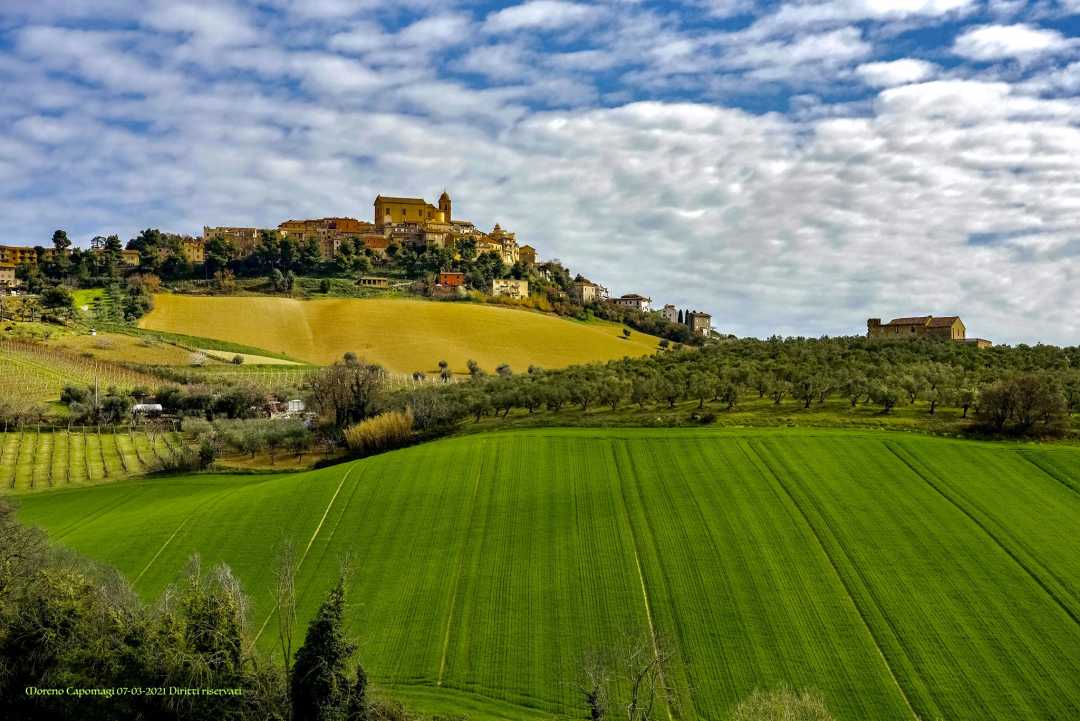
(633, 301)
(370, 281)
(528, 255)
(193, 249)
(948, 327)
(698, 323)
(584, 291)
(510, 288)
(295, 406)
(670, 313)
(451, 279)
(7, 276)
(244, 240)
(978, 342)
(147, 410)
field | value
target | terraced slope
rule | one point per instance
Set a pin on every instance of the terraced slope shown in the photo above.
(423, 332)
(899, 575)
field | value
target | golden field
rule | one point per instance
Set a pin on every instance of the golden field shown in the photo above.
(401, 335)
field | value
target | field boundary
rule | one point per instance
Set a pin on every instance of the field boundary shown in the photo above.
(760, 463)
(990, 534)
(457, 571)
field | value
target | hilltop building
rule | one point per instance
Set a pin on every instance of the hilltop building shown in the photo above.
(634, 301)
(528, 255)
(329, 233)
(245, 240)
(699, 323)
(510, 288)
(670, 313)
(7, 276)
(924, 326)
(584, 291)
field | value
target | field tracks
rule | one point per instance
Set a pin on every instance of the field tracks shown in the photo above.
(653, 638)
(1051, 473)
(767, 471)
(925, 474)
(457, 571)
(310, 543)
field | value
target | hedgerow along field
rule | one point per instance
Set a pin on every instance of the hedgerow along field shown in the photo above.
(898, 574)
(424, 332)
(33, 458)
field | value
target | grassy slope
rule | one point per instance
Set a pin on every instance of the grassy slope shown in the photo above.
(890, 571)
(423, 332)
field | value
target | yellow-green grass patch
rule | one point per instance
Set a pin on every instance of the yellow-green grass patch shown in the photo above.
(401, 335)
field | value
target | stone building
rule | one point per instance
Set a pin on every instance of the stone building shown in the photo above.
(528, 255)
(390, 210)
(19, 254)
(329, 233)
(699, 323)
(584, 291)
(193, 249)
(245, 240)
(670, 313)
(7, 276)
(924, 326)
(510, 288)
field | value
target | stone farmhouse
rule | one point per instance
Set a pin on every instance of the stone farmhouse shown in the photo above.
(7, 276)
(924, 326)
(584, 291)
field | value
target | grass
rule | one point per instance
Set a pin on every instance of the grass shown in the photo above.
(401, 335)
(33, 459)
(898, 574)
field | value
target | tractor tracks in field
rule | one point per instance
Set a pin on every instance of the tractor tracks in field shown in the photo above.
(985, 528)
(763, 466)
(457, 571)
(310, 543)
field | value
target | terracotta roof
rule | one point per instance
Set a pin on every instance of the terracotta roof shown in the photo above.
(944, 321)
(634, 296)
(412, 201)
(917, 320)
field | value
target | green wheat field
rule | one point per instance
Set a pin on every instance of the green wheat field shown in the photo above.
(902, 576)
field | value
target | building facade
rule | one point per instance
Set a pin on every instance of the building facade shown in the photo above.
(699, 323)
(7, 276)
(633, 301)
(924, 326)
(510, 288)
(244, 240)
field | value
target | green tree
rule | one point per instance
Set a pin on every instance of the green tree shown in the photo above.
(320, 686)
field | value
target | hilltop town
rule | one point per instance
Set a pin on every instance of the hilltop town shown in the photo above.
(409, 245)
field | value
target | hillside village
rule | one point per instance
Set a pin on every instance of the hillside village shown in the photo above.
(409, 244)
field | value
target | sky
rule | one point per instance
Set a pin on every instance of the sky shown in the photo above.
(792, 168)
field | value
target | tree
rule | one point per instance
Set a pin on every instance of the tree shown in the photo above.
(57, 297)
(346, 392)
(60, 241)
(320, 686)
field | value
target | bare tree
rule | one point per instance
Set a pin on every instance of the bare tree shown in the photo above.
(632, 679)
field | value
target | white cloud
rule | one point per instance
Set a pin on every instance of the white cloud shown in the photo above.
(997, 42)
(541, 15)
(895, 72)
(437, 31)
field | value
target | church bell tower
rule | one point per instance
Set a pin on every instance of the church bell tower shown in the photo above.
(444, 205)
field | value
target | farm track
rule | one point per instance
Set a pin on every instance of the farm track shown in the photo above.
(485, 567)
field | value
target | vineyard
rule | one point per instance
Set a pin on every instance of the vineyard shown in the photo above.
(900, 575)
(34, 372)
(40, 458)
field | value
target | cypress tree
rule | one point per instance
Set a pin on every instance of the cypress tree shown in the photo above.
(320, 685)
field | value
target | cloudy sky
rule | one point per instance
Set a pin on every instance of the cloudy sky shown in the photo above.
(791, 167)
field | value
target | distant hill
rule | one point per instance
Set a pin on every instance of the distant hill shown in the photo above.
(401, 335)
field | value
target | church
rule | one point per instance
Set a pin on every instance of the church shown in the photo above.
(395, 211)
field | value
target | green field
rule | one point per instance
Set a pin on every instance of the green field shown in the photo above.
(33, 459)
(896, 573)
(401, 335)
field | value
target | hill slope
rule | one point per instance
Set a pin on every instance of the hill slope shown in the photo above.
(895, 573)
(402, 335)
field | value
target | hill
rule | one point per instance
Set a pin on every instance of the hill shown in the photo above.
(401, 335)
(898, 574)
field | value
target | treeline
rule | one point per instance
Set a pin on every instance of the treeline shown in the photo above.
(69, 623)
(1022, 390)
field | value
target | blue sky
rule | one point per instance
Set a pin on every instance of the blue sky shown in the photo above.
(791, 167)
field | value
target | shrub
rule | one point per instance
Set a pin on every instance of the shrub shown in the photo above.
(238, 360)
(384, 432)
(782, 705)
